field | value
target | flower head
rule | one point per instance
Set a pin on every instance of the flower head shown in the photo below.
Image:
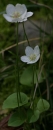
(17, 13)
(32, 55)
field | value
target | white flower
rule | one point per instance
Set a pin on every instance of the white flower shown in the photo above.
(17, 13)
(32, 55)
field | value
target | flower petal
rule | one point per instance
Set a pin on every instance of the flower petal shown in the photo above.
(21, 20)
(15, 20)
(10, 9)
(29, 14)
(30, 62)
(28, 51)
(37, 58)
(8, 18)
(20, 8)
(23, 15)
(24, 59)
(36, 50)
(25, 19)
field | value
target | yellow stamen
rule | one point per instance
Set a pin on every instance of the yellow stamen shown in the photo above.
(32, 57)
(16, 15)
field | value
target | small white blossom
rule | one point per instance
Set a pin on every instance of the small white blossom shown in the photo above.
(17, 13)
(32, 55)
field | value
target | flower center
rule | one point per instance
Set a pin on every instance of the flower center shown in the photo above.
(16, 15)
(32, 57)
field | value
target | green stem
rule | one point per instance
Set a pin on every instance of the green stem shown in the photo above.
(32, 101)
(33, 85)
(25, 34)
(17, 70)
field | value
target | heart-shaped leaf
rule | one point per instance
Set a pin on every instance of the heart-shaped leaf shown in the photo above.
(43, 105)
(32, 116)
(17, 119)
(11, 101)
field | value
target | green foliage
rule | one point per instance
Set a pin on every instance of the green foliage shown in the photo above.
(32, 116)
(27, 76)
(11, 101)
(43, 105)
(17, 118)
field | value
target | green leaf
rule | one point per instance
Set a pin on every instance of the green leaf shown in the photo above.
(43, 105)
(11, 101)
(32, 116)
(27, 76)
(17, 119)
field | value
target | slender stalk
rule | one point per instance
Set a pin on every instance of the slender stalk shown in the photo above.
(17, 69)
(33, 86)
(33, 89)
(25, 34)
